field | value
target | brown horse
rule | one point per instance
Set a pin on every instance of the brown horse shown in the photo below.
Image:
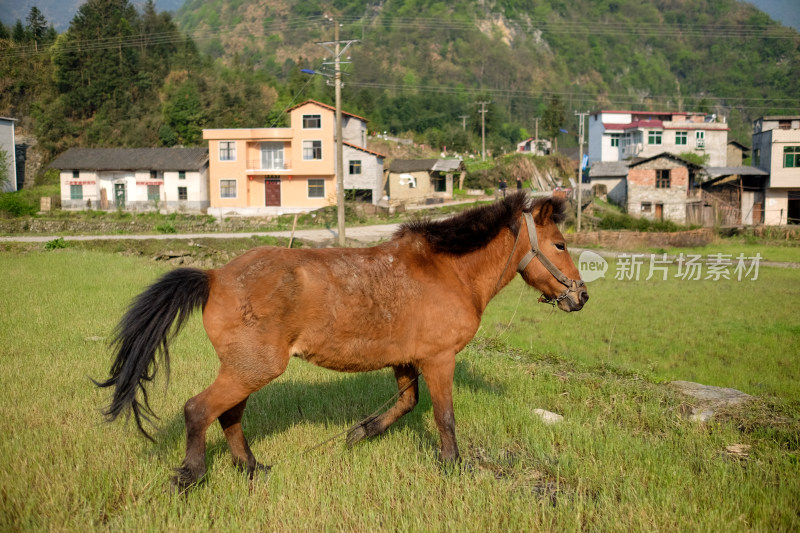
(411, 303)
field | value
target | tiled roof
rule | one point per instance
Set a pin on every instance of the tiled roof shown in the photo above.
(604, 169)
(415, 165)
(131, 159)
(326, 106)
(367, 150)
(716, 172)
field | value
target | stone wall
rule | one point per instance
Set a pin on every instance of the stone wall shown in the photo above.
(621, 240)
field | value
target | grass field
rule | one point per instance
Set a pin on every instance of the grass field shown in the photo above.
(624, 458)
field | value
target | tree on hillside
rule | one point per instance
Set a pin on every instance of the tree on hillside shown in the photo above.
(37, 26)
(554, 117)
(18, 33)
(88, 77)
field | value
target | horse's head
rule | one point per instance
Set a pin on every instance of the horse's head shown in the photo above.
(548, 266)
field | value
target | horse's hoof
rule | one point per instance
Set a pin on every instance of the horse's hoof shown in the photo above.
(183, 480)
(260, 470)
(356, 435)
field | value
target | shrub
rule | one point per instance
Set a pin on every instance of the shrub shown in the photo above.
(16, 204)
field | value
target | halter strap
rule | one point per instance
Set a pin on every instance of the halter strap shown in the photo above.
(572, 285)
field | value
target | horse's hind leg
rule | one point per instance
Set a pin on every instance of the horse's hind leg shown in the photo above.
(406, 376)
(231, 422)
(225, 394)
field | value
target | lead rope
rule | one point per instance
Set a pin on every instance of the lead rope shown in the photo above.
(360, 423)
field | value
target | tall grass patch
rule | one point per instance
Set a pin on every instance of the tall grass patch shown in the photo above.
(624, 458)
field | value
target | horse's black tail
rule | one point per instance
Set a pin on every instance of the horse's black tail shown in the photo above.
(144, 331)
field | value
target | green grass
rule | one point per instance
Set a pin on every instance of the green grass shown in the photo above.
(624, 459)
(733, 247)
(729, 333)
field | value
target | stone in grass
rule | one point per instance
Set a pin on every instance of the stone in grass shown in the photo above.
(709, 398)
(548, 417)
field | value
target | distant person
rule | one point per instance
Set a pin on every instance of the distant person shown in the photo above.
(503, 187)
(519, 183)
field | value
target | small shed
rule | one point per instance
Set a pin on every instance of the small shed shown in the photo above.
(415, 181)
(610, 176)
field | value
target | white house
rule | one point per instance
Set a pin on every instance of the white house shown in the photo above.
(620, 135)
(776, 150)
(7, 146)
(134, 179)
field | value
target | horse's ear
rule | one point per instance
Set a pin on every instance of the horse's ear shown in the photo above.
(543, 212)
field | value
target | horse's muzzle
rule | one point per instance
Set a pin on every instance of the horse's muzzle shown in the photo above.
(575, 300)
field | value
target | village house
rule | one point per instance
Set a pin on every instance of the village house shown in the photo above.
(776, 151)
(270, 171)
(661, 187)
(621, 135)
(417, 181)
(534, 146)
(134, 179)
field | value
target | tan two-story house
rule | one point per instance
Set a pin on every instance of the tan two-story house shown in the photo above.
(776, 150)
(271, 171)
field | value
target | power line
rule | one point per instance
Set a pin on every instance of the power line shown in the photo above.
(605, 28)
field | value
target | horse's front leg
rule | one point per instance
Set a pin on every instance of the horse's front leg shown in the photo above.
(438, 374)
(408, 384)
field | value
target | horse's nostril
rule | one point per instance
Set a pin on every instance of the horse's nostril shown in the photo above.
(584, 297)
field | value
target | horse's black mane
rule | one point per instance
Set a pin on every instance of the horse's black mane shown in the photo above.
(475, 228)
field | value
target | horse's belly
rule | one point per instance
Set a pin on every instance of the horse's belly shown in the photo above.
(350, 360)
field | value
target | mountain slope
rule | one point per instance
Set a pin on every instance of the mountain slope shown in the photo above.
(721, 56)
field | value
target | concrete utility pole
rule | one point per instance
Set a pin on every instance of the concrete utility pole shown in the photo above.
(483, 128)
(338, 50)
(580, 164)
(464, 122)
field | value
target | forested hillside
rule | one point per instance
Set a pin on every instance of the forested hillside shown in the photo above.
(126, 77)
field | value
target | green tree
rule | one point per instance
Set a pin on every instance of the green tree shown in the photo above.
(19, 34)
(37, 26)
(554, 117)
(5, 169)
(183, 116)
(89, 78)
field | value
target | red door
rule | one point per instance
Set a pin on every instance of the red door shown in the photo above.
(272, 192)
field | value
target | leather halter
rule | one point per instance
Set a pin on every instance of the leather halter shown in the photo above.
(572, 285)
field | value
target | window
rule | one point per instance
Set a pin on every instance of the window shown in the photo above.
(181, 174)
(681, 138)
(312, 150)
(316, 188)
(700, 139)
(153, 174)
(153, 192)
(312, 122)
(791, 156)
(653, 137)
(227, 188)
(756, 157)
(227, 150)
(183, 193)
(662, 179)
(784, 124)
(272, 155)
(76, 191)
(615, 139)
(647, 207)
(76, 174)
(355, 167)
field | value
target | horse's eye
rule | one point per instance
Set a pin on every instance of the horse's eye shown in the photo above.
(561, 246)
